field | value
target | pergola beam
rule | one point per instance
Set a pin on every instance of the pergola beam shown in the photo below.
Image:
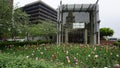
(81, 7)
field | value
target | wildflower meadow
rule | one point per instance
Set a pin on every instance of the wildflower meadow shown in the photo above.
(63, 56)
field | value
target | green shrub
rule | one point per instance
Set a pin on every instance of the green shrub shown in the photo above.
(16, 43)
(118, 40)
(117, 44)
(10, 61)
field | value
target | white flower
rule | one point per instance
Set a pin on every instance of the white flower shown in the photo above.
(51, 60)
(36, 58)
(89, 55)
(111, 53)
(93, 52)
(66, 52)
(105, 67)
(41, 53)
(117, 55)
(32, 54)
(27, 56)
(96, 56)
(95, 49)
(81, 62)
(77, 54)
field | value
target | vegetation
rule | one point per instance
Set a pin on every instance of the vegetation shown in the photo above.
(10, 44)
(12, 21)
(5, 17)
(72, 55)
(43, 54)
(20, 61)
(104, 32)
(117, 43)
(15, 23)
(45, 28)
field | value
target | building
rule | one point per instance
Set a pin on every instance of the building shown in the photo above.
(39, 11)
(78, 23)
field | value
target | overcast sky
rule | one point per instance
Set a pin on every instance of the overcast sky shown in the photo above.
(109, 11)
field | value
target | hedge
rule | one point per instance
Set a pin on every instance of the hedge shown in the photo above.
(117, 44)
(16, 43)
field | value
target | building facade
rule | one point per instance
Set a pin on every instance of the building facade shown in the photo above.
(78, 23)
(39, 11)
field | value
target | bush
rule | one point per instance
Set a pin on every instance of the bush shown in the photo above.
(16, 43)
(10, 61)
(118, 40)
(117, 44)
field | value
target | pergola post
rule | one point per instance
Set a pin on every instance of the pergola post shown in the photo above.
(91, 28)
(66, 35)
(85, 36)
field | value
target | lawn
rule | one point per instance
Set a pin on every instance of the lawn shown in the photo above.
(64, 55)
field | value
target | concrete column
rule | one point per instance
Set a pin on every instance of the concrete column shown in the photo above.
(60, 34)
(62, 28)
(98, 34)
(98, 37)
(66, 35)
(85, 36)
(92, 28)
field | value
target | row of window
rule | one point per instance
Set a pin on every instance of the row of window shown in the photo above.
(42, 12)
(43, 17)
(33, 7)
(39, 11)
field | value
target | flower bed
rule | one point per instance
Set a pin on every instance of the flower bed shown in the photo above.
(74, 55)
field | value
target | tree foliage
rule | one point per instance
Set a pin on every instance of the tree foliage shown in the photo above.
(20, 22)
(5, 17)
(106, 32)
(46, 28)
(12, 21)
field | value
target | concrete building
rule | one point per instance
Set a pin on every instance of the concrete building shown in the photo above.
(78, 23)
(39, 11)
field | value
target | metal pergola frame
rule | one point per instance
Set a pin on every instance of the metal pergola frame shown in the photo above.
(92, 9)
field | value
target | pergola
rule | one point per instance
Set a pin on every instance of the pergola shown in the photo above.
(93, 17)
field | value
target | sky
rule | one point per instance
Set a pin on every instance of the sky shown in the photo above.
(109, 11)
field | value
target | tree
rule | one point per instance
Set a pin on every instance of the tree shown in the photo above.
(46, 29)
(12, 21)
(105, 32)
(19, 23)
(5, 17)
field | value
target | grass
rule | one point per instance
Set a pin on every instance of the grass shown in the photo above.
(73, 55)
